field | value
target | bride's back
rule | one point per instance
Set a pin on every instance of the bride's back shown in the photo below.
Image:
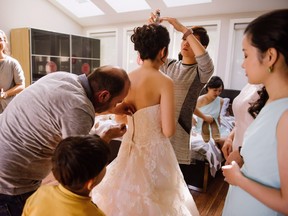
(147, 86)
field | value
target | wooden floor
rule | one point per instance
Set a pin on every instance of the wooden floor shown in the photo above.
(211, 203)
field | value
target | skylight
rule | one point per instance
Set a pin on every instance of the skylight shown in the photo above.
(128, 5)
(81, 8)
(173, 3)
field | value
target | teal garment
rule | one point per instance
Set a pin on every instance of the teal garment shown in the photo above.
(213, 109)
(259, 152)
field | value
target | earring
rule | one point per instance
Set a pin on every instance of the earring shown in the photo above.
(270, 69)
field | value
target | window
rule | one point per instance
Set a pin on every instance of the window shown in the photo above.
(235, 77)
(108, 47)
(130, 62)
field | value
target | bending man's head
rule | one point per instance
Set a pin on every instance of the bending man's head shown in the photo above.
(109, 86)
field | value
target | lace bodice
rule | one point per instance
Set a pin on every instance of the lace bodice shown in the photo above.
(144, 124)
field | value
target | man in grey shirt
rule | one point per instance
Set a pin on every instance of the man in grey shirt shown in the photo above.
(189, 74)
(58, 105)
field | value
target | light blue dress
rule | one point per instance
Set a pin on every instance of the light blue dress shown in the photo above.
(212, 109)
(260, 162)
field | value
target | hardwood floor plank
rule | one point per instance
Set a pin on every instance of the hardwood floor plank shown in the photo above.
(211, 203)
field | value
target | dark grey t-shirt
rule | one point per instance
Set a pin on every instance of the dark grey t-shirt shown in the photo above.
(49, 110)
(183, 76)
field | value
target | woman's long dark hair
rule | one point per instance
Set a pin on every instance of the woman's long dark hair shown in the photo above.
(268, 31)
(256, 106)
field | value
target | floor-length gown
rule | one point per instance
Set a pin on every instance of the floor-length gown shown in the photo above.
(145, 178)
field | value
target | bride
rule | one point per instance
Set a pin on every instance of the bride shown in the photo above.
(145, 178)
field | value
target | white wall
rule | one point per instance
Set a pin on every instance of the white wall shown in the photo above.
(225, 35)
(39, 14)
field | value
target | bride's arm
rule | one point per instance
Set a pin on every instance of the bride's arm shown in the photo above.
(167, 106)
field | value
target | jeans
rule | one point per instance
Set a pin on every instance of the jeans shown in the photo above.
(12, 205)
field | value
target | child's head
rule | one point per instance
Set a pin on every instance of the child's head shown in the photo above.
(78, 160)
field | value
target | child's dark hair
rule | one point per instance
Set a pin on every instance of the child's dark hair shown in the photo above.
(214, 82)
(149, 40)
(269, 30)
(78, 159)
(256, 106)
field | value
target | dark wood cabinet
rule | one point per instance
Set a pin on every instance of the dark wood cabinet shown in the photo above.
(41, 52)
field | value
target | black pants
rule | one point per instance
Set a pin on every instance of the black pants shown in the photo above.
(12, 205)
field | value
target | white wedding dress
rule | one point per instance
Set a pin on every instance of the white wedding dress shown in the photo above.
(145, 178)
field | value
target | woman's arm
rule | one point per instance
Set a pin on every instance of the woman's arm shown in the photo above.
(197, 112)
(227, 146)
(12, 91)
(207, 118)
(167, 106)
(196, 46)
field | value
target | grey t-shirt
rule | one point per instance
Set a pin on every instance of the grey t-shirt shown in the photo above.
(11, 74)
(54, 107)
(183, 76)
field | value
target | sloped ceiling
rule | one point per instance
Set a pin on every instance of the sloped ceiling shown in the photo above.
(213, 8)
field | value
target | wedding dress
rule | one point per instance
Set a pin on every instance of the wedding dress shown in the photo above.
(145, 178)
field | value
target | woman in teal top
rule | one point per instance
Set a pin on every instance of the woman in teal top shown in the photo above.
(210, 104)
(260, 187)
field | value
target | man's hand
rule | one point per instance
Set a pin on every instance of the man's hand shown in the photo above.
(114, 131)
(174, 22)
(124, 108)
(153, 18)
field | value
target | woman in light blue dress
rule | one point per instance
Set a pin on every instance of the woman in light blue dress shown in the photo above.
(206, 146)
(260, 187)
(210, 104)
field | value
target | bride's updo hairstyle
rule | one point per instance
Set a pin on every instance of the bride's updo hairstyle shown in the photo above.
(149, 40)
